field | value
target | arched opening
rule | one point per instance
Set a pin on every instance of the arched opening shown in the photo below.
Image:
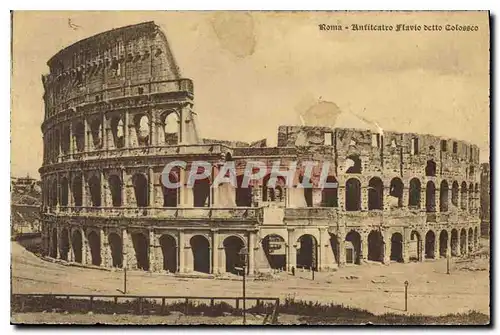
(353, 195)
(201, 253)
(414, 194)
(396, 192)
(353, 248)
(353, 164)
(170, 194)
(443, 196)
(430, 197)
(115, 186)
(95, 247)
(64, 248)
(53, 249)
(77, 189)
(471, 240)
(79, 135)
(201, 193)
(116, 245)
(273, 194)
(141, 189)
(463, 196)
(430, 168)
(141, 122)
(243, 194)
(454, 194)
(375, 246)
(415, 247)
(308, 191)
(170, 127)
(76, 243)
(471, 197)
(430, 242)
(443, 243)
(232, 247)
(95, 129)
(463, 241)
(397, 247)
(476, 240)
(275, 249)
(57, 144)
(53, 194)
(95, 191)
(64, 192)
(375, 194)
(307, 252)
(169, 252)
(118, 131)
(66, 140)
(334, 243)
(454, 242)
(141, 248)
(329, 196)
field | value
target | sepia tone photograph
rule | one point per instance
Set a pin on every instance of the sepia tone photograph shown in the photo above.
(250, 168)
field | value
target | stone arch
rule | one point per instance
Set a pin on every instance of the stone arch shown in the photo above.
(275, 249)
(396, 190)
(54, 244)
(53, 193)
(443, 196)
(141, 247)
(454, 243)
(169, 251)
(414, 194)
(115, 186)
(463, 196)
(94, 240)
(307, 252)
(430, 197)
(471, 197)
(335, 245)
(443, 243)
(430, 168)
(476, 239)
(463, 241)
(353, 247)
(454, 193)
(329, 196)
(352, 195)
(375, 194)
(375, 246)
(170, 127)
(116, 246)
(201, 192)
(65, 139)
(96, 133)
(430, 243)
(118, 131)
(64, 192)
(232, 246)
(57, 144)
(273, 194)
(415, 247)
(243, 195)
(471, 239)
(170, 195)
(142, 129)
(65, 246)
(397, 247)
(95, 190)
(77, 244)
(200, 247)
(77, 190)
(141, 189)
(79, 135)
(353, 163)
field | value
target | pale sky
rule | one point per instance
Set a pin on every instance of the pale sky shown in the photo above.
(253, 72)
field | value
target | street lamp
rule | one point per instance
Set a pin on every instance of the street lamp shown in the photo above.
(406, 295)
(244, 258)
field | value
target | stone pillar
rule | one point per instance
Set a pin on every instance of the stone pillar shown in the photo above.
(421, 249)
(58, 242)
(182, 253)
(186, 193)
(71, 252)
(216, 269)
(104, 249)
(326, 258)
(448, 245)
(151, 187)
(341, 248)
(251, 252)
(71, 140)
(406, 245)
(153, 252)
(126, 130)
(364, 247)
(125, 246)
(291, 258)
(85, 201)
(124, 188)
(103, 189)
(436, 246)
(387, 248)
(86, 256)
(364, 197)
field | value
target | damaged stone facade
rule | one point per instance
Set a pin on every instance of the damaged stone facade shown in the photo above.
(118, 110)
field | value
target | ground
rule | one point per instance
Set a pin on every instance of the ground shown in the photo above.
(374, 287)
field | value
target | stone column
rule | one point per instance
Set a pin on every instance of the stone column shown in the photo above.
(406, 245)
(182, 254)
(291, 258)
(86, 257)
(58, 242)
(341, 248)
(151, 187)
(215, 253)
(387, 248)
(126, 130)
(421, 249)
(70, 131)
(71, 252)
(104, 248)
(324, 251)
(251, 252)
(448, 245)
(364, 247)
(103, 189)
(153, 249)
(125, 245)
(124, 188)
(186, 193)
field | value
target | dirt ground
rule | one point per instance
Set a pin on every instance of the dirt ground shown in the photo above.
(374, 287)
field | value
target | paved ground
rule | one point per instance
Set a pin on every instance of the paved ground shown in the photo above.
(374, 287)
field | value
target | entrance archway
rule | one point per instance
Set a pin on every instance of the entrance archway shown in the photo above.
(334, 243)
(232, 247)
(201, 253)
(454, 242)
(430, 242)
(415, 248)
(76, 243)
(397, 247)
(141, 248)
(141, 189)
(353, 247)
(64, 249)
(463, 241)
(375, 194)
(95, 248)
(275, 250)
(375, 246)
(443, 243)
(307, 252)
(116, 245)
(169, 252)
(352, 195)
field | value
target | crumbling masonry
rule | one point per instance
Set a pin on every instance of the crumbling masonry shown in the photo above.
(117, 111)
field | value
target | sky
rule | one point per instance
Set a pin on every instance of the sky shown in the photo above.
(254, 71)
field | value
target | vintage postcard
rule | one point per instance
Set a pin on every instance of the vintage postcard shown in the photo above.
(250, 168)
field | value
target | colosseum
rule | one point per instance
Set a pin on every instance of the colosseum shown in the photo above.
(117, 110)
